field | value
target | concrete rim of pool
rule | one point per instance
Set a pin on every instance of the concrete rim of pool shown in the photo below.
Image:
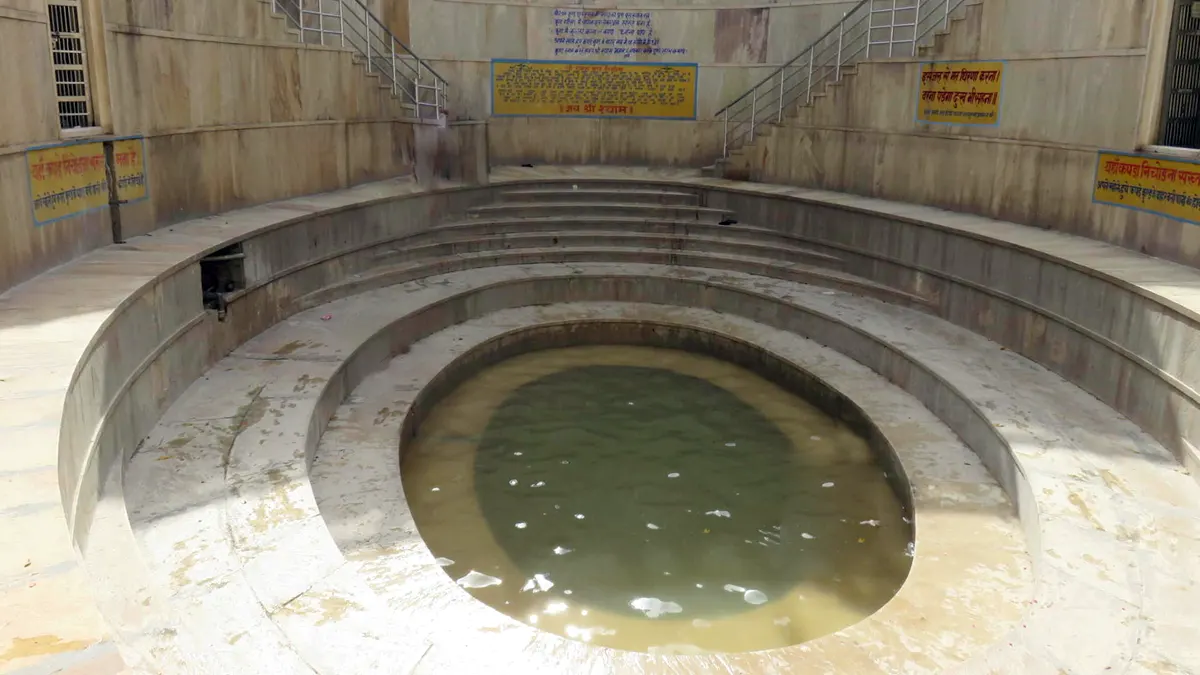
(922, 602)
(740, 353)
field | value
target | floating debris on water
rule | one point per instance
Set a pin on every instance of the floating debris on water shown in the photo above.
(478, 580)
(654, 608)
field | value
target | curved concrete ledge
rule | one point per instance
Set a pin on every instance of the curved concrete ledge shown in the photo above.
(1093, 517)
(291, 570)
(83, 377)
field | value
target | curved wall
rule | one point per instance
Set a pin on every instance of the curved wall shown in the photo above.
(1104, 319)
(1120, 342)
(234, 110)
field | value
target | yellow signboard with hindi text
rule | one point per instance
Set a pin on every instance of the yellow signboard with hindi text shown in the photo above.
(66, 180)
(594, 89)
(129, 159)
(1167, 187)
(960, 92)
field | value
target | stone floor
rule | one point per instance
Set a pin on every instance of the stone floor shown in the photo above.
(1118, 533)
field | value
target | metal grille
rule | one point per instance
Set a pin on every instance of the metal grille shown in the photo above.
(69, 56)
(1181, 100)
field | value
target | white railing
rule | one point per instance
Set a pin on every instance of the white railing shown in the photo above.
(349, 24)
(871, 29)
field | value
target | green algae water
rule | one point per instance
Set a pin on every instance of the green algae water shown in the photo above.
(656, 501)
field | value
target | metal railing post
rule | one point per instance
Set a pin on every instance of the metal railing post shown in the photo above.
(946, 17)
(321, 20)
(725, 134)
(753, 110)
(393, 45)
(837, 71)
(779, 114)
(367, 32)
(811, 53)
(892, 30)
(341, 23)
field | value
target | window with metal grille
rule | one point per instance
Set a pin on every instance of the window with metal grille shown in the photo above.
(1181, 98)
(68, 53)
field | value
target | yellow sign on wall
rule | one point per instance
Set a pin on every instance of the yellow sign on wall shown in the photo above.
(66, 180)
(1167, 187)
(130, 160)
(960, 92)
(594, 89)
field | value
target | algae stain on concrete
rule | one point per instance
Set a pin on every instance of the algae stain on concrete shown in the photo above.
(1078, 503)
(40, 645)
(276, 508)
(334, 608)
(328, 607)
(305, 380)
(289, 347)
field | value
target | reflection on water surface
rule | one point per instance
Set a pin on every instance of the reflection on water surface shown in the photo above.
(654, 500)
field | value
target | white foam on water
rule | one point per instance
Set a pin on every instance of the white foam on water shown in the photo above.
(805, 535)
(732, 588)
(827, 485)
(443, 562)
(478, 580)
(554, 608)
(513, 482)
(719, 514)
(651, 526)
(654, 608)
(754, 597)
(672, 475)
(540, 483)
(521, 526)
(559, 550)
(731, 445)
(870, 523)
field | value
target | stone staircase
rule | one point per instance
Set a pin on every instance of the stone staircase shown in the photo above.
(743, 128)
(350, 25)
(612, 222)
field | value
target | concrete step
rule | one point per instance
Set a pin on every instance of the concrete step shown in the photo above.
(610, 208)
(588, 193)
(428, 245)
(775, 269)
(678, 228)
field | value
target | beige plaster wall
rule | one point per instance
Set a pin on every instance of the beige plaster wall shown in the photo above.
(734, 43)
(1077, 75)
(235, 112)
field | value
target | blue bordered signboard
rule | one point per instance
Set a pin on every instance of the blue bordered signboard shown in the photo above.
(70, 179)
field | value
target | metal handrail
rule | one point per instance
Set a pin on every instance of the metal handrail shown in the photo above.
(351, 25)
(870, 29)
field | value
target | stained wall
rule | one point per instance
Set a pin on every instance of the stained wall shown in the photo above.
(1080, 76)
(235, 112)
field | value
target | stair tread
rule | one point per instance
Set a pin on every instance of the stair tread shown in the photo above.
(788, 243)
(585, 205)
(516, 237)
(596, 190)
(817, 272)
